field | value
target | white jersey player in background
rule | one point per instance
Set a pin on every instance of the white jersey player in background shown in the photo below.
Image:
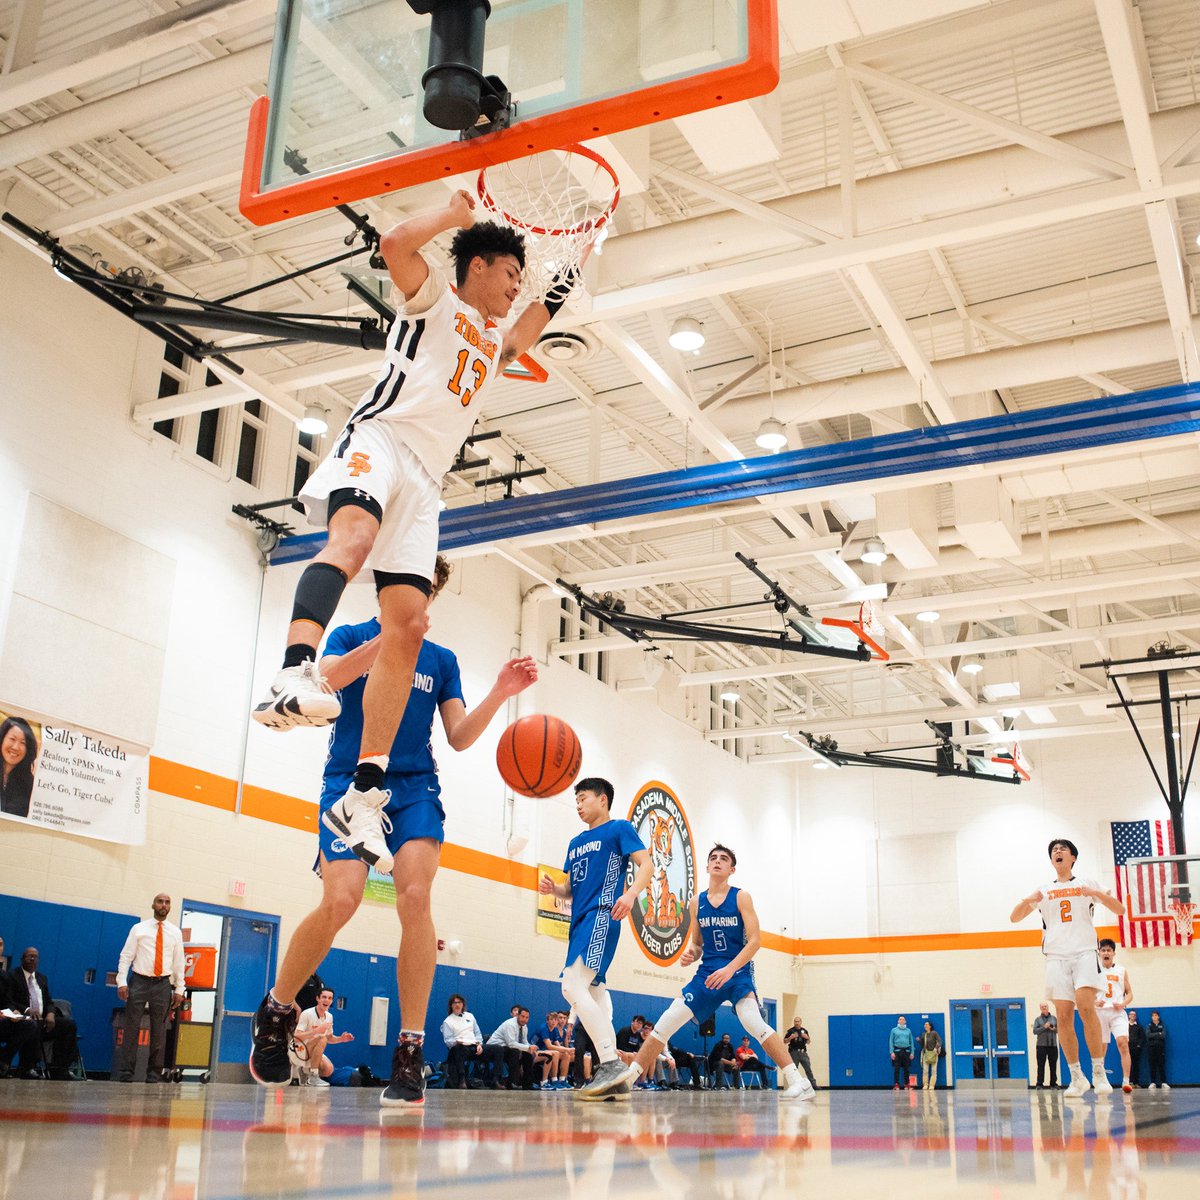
(1073, 978)
(1113, 1001)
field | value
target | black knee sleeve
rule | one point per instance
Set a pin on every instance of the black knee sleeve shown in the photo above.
(352, 498)
(318, 592)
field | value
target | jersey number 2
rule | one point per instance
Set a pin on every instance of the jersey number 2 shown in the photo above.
(1064, 911)
(478, 366)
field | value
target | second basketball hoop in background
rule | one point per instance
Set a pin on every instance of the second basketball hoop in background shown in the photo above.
(539, 756)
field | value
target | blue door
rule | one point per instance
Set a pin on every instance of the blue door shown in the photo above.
(245, 971)
(989, 1043)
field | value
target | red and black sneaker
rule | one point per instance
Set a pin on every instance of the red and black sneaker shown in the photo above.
(407, 1086)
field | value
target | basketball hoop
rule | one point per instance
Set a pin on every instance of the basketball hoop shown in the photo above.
(561, 200)
(1182, 911)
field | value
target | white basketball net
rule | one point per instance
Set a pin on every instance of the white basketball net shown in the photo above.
(560, 201)
(1183, 911)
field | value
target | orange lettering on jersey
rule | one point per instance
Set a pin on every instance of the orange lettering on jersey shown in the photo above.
(360, 463)
(467, 331)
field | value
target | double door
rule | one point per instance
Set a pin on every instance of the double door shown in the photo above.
(990, 1043)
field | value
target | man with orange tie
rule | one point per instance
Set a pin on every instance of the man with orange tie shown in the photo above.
(150, 978)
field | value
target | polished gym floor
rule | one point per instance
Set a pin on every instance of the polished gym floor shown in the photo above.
(88, 1141)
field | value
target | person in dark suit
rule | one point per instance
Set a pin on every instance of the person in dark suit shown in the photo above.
(31, 994)
(14, 1031)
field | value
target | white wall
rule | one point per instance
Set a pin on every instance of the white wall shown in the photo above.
(836, 854)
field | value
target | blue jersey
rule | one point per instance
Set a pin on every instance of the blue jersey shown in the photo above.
(543, 1037)
(596, 863)
(435, 681)
(721, 930)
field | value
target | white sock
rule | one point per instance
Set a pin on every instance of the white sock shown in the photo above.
(1076, 1070)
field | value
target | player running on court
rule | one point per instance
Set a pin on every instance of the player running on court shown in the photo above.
(725, 937)
(596, 864)
(378, 490)
(1114, 1001)
(1073, 976)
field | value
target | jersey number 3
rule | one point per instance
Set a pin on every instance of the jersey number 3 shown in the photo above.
(478, 366)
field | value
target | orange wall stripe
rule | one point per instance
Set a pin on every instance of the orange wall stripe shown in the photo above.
(189, 783)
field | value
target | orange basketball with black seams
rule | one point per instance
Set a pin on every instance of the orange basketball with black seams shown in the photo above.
(539, 756)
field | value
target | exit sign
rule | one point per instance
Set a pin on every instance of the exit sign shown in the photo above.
(237, 887)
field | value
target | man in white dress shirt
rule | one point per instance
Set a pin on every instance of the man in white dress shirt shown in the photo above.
(150, 977)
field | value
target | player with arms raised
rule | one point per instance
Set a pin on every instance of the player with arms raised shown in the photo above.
(1073, 977)
(378, 491)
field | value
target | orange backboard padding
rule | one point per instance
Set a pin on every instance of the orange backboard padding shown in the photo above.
(757, 76)
(863, 636)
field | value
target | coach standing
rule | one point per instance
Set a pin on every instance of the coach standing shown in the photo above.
(150, 976)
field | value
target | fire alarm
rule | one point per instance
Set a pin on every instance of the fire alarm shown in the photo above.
(441, 943)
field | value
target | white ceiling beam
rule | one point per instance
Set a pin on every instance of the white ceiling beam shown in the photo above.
(183, 89)
(1120, 24)
(1000, 127)
(22, 40)
(129, 47)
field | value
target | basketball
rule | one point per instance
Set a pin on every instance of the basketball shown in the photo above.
(539, 756)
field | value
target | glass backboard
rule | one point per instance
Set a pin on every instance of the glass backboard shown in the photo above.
(344, 115)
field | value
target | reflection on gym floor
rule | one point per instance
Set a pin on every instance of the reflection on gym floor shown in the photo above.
(188, 1142)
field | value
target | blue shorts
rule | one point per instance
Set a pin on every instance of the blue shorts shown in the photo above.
(705, 1001)
(594, 938)
(415, 811)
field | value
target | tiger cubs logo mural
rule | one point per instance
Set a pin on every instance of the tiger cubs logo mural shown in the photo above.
(660, 917)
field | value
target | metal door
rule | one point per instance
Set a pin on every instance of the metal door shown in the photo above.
(247, 963)
(990, 1045)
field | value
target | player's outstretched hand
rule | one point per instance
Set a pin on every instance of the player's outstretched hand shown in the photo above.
(545, 885)
(462, 206)
(1034, 898)
(623, 906)
(516, 675)
(718, 979)
(688, 956)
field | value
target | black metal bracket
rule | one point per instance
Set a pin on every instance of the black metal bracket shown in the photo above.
(513, 476)
(268, 526)
(684, 626)
(950, 761)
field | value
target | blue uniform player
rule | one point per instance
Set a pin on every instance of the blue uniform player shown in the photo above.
(596, 865)
(725, 937)
(412, 827)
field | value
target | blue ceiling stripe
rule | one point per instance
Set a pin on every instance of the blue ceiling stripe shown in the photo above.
(1111, 420)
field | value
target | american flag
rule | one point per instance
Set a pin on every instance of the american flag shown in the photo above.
(1146, 889)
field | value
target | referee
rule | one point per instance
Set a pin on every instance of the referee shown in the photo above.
(150, 976)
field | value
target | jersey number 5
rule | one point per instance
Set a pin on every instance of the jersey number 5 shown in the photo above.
(478, 366)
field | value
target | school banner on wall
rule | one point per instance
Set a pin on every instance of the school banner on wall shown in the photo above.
(379, 888)
(72, 780)
(553, 914)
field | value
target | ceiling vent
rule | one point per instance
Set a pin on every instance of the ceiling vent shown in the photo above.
(567, 349)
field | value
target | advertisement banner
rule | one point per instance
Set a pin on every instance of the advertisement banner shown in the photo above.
(72, 780)
(553, 914)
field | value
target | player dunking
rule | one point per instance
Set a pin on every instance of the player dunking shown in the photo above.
(378, 491)
(725, 937)
(1115, 997)
(595, 867)
(1072, 963)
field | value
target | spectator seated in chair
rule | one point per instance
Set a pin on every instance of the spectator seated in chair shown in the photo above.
(629, 1039)
(749, 1062)
(464, 1041)
(685, 1060)
(30, 991)
(16, 1030)
(509, 1044)
(722, 1061)
(551, 1052)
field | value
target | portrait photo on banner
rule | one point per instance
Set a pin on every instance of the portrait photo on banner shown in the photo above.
(20, 742)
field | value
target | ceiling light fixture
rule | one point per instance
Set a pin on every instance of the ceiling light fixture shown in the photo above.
(820, 765)
(313, 421)
(771, 435)
(971, 666)
(874, 551)
(686, 334)
(929, 616)
(732, 695)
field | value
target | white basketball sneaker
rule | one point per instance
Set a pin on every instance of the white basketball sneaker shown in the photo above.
(359, 820)
(1079, 1086)
(798, 1088)
(299, 696)
(1100, 1081)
